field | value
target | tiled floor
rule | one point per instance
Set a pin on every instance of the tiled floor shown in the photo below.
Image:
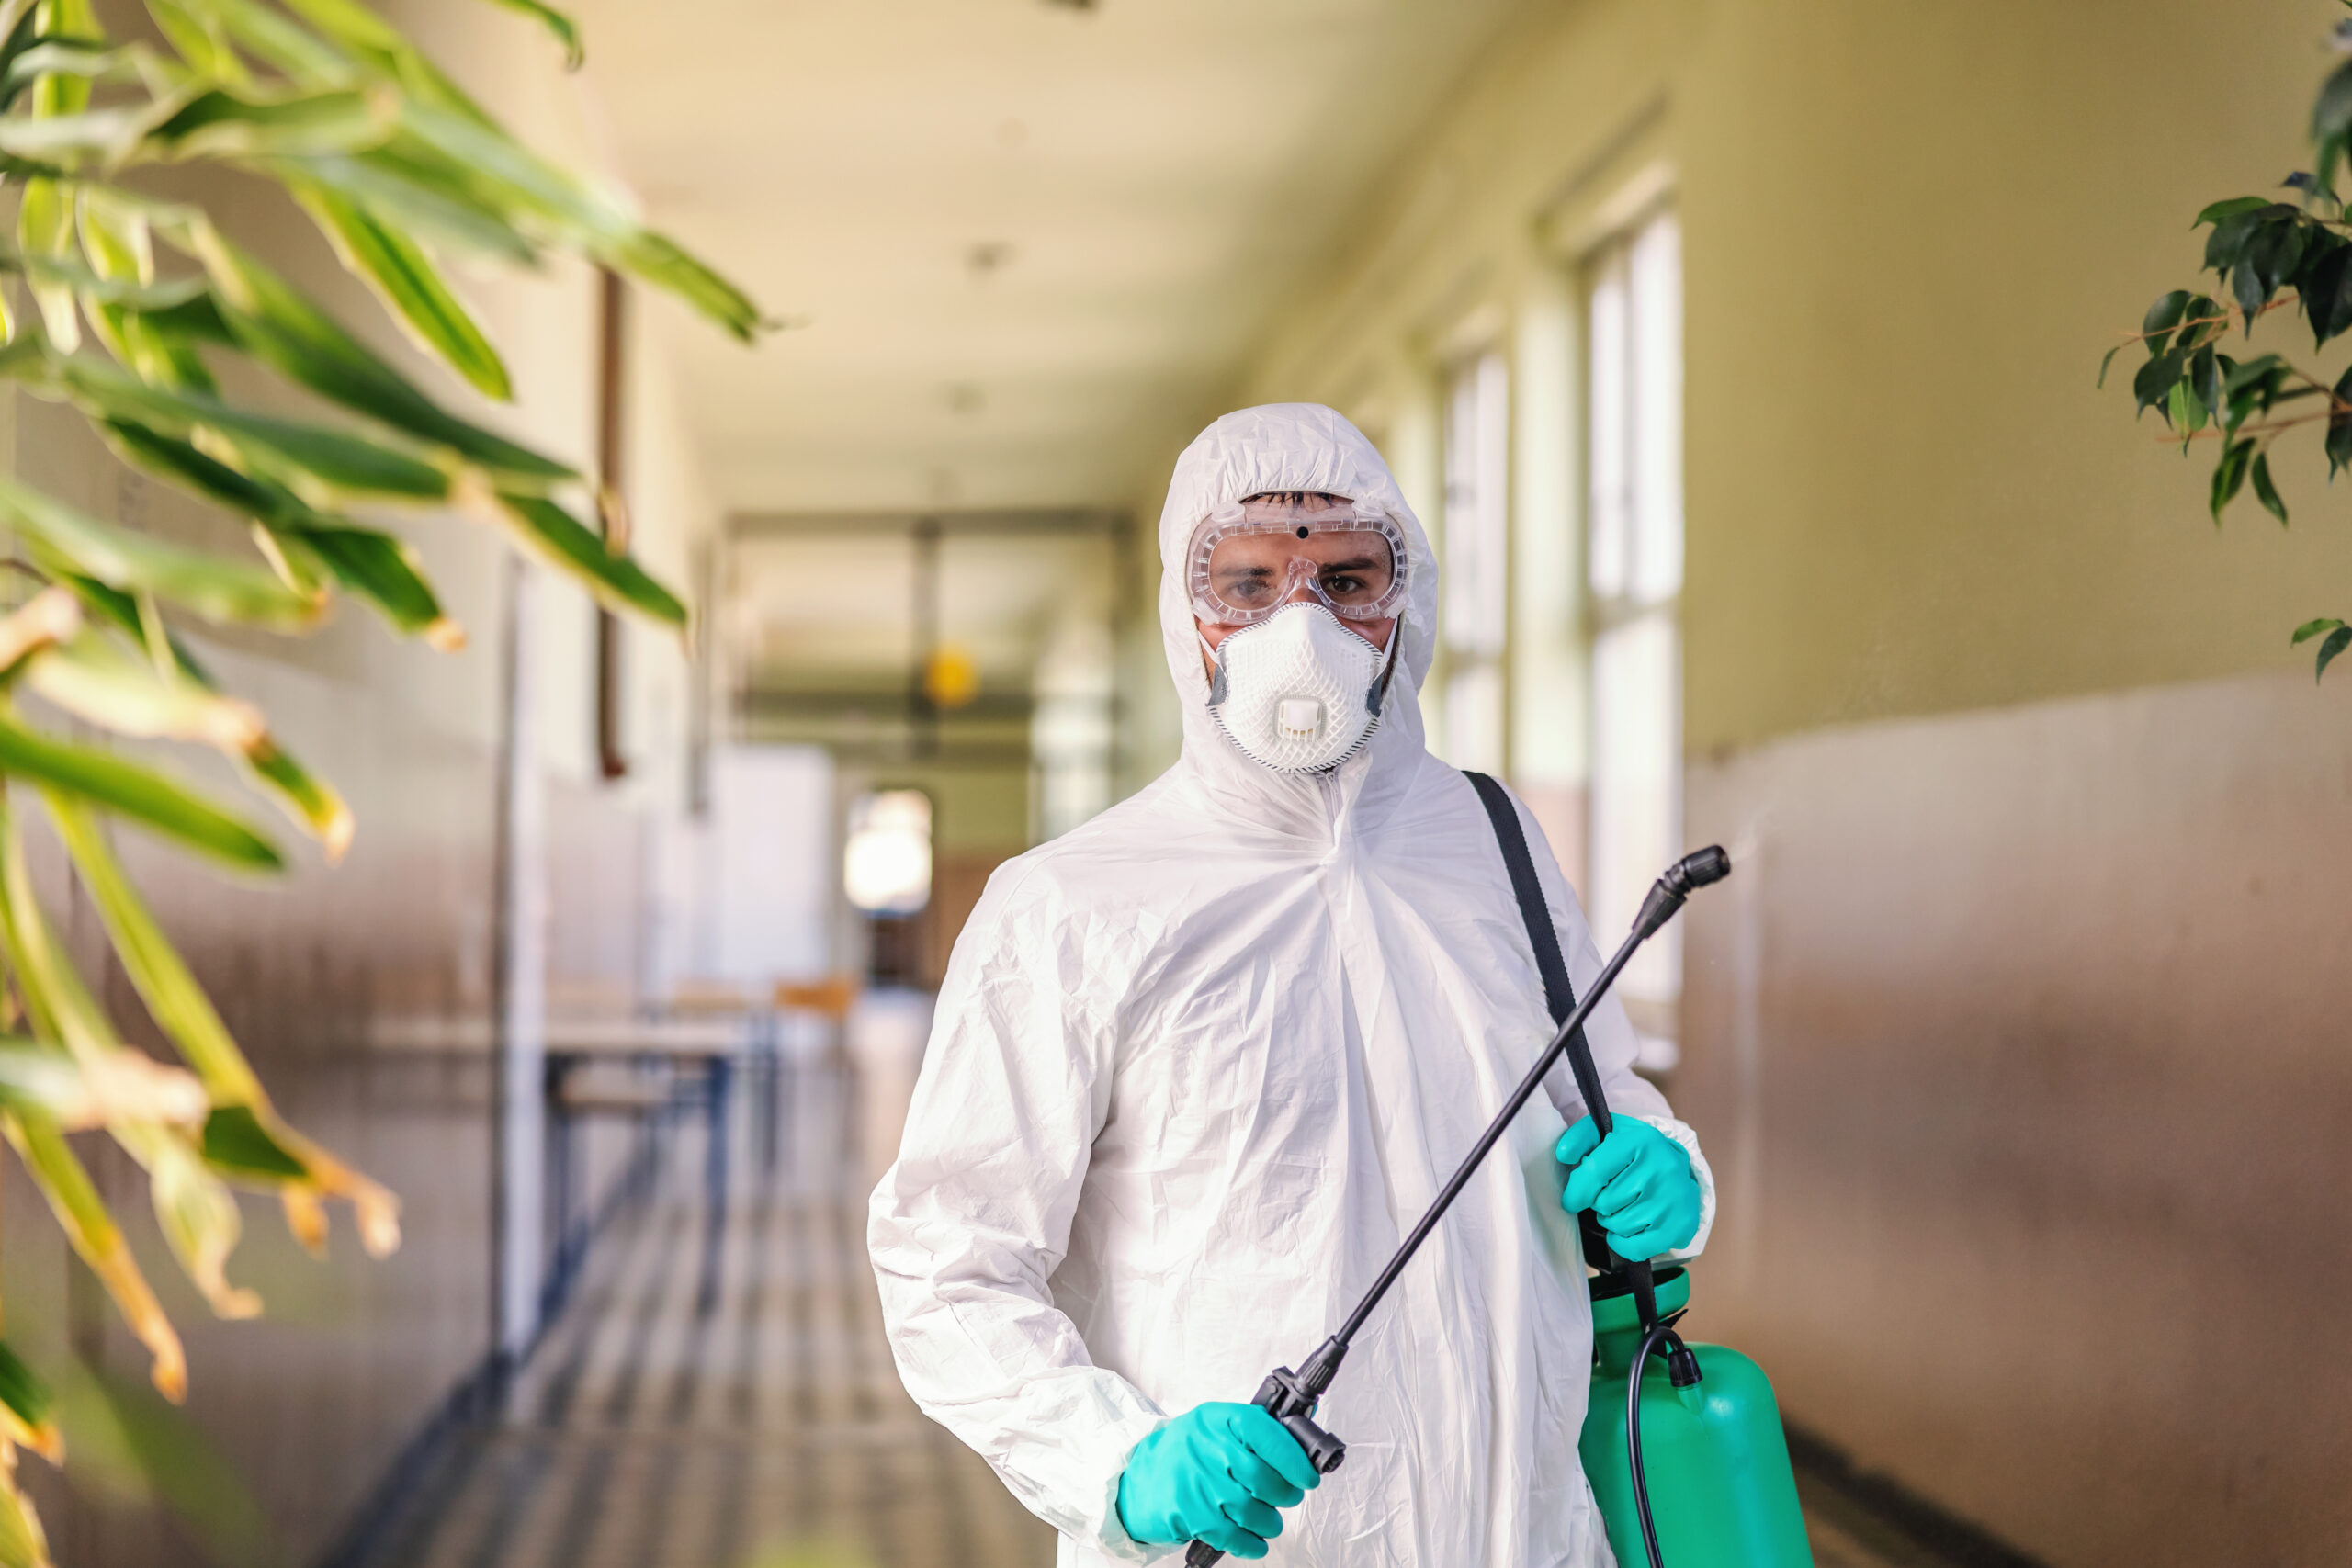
(768, 1431)
(759, 1424)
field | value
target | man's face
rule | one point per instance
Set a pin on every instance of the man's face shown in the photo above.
(1250, 565)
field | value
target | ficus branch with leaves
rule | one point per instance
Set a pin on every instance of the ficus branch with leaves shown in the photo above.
(2267, 254)
(126, 304)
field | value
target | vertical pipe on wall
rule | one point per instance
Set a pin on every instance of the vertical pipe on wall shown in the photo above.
(612, 369)
(518, 1099)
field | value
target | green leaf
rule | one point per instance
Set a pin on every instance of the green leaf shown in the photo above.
(312, 460)
(2229, 474)
(364, 562)
(406, 280)
(384, 570)
(2309, 629)
(561, 540)
(2231, 209)
(2337, 641)
(93, 678)
(2332, 112)
(45, 228)
(26, 1396)
(276, 324)
(2264, 491)
(73, 1197)
(138, 793)
(2154, 382)
(314, 803)
(527, 187)
(2106, 360)
(556, 22)
(224, 124)
(2161, 318)
(235, 1140)
(2184, 410)
(444, 211)
(153, 966)
(220, 590)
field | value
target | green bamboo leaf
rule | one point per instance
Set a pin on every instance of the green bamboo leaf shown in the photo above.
(566, 32)
(404, 278)
(197, 1214)
(315, 545)
(200, 39)
(442, 211)
(2310, 629)
(183, 1012)
(384, 571)
(28, 1408)
(236, 125)
(125, 1086)
(24, 33)
(152, 964)
(235, 1140)
(314, 460)
(93, 678)
(281, 43)
(495, 167)
(276, 324)
(92, 138)
(63, 95)
(220, 590)
(45, 228)
(130, 790)
(92, 1231)
(23, 1543)
(556, 536)
(311, 800)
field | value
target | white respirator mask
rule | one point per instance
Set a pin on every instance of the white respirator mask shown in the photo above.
(1298, 691)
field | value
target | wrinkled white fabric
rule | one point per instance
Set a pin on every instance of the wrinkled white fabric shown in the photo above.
(1197, 1067)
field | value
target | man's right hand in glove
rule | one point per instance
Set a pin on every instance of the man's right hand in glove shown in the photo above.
(1215, 1474)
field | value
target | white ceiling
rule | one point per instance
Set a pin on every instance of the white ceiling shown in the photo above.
(1033, 243)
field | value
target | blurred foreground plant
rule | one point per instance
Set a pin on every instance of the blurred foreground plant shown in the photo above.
(136, 301)
(2266, 255)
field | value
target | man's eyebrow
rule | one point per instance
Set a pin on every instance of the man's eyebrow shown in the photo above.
(1353, 563)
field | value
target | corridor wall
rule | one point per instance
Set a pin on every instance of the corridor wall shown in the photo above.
(365, 992)
(2017, 1040)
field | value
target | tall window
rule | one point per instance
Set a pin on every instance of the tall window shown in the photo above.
(1477, 579)
(1633, 573)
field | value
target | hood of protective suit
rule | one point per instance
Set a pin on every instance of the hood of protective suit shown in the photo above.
(1197, 1067)
(1285, 446)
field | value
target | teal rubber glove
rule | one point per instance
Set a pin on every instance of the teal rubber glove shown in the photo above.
(1215, 1474)
(1638, 1181)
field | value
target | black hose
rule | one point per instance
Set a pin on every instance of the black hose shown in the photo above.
(1659, 1333)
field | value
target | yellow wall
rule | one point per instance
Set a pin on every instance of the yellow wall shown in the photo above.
(1909, 233)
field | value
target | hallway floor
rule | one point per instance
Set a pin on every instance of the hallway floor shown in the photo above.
(748, 1417)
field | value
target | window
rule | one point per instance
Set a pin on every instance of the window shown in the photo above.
(1476, 582)
(1633, 575)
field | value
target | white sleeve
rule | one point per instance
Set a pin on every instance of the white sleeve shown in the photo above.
(967, 1227)
(1610, 1034)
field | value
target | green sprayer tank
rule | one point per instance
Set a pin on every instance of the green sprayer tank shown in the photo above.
(1721, 1494)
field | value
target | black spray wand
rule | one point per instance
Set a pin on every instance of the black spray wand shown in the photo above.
(1291, 1397)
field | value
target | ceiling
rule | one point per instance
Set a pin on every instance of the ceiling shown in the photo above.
(1032, 242)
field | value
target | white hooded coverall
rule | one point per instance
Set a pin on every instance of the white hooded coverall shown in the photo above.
(1197, 1067)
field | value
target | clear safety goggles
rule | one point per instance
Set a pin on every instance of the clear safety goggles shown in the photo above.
(1349, 558)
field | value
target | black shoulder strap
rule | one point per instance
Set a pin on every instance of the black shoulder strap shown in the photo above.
(1557, 994)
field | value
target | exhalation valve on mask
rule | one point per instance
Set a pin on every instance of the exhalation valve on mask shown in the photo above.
(1298, 691)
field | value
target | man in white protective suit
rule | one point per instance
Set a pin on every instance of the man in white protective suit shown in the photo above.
(1200, 1064)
